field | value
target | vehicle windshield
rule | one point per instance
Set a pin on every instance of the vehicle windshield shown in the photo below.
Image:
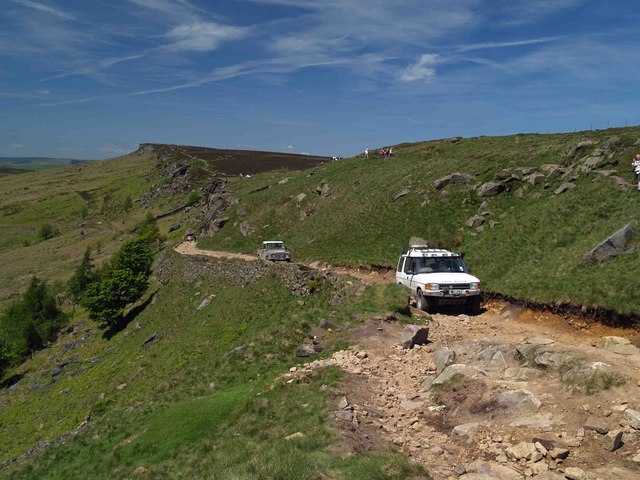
(440, 264)
(274, 246)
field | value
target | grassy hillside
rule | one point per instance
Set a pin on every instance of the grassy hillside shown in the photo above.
(205, 400)
(86, 204)
(534, 251)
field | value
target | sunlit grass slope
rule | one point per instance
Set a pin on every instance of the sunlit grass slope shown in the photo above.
(86, 203)
(206, 400)
(534, 251)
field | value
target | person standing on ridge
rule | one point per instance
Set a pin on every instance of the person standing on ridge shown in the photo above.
(366, 154)
(634, 166)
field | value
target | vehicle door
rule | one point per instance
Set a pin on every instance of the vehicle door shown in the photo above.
(415, 269)
(400, 276)
(409, 271)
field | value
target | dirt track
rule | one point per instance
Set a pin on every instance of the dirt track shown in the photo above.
(388, 399)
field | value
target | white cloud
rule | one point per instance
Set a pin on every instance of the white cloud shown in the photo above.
(423, 69)
(288, 147)
(515, 43)
(44, 8)
(16, 146)
(203, 36)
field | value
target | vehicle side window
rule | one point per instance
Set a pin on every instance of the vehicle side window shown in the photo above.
(400, 263)
(409, 265)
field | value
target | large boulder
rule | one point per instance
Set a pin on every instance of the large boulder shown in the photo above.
(414, 335)
(535, 179)
(612, 246)
(564, 187)
(491, 189)
(452, 370)
(572, 149)
(404, 192)
(632, 418)
(518, 400)
(443, 358)
(455, 178)
(475, 221)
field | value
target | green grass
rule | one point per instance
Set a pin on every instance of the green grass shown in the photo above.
(533, 253)
(190, 408)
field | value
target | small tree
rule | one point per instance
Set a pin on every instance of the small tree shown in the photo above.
(82, 277)
(122, 282)
(47, 231)
(32, 321)
(84, 211)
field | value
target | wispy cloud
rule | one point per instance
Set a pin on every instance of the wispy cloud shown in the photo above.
(514, 43)
(423, 69)
(203, 36)
(97, 67)
(518, 13)
(44, 8)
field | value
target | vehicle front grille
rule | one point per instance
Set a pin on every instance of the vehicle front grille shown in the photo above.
(455, 286)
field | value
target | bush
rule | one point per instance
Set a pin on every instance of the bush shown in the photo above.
(127, 204)
(83, 276)
(48, 231)
(123, 281)
(192, 199)
(148, 229)
(29, 323)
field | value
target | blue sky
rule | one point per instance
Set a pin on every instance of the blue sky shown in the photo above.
(92, 79)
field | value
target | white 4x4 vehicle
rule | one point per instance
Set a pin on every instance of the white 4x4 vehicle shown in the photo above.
(438, 277)
(274, 250)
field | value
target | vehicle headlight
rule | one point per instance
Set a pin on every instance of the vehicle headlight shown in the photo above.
(475, 286)
(431, 286)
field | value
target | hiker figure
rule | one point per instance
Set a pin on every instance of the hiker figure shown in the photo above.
(381, 152)
(366, 154)
(390, 152)
(634, 166)
(637, 174)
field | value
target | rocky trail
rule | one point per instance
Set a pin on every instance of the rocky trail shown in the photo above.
(511, 393)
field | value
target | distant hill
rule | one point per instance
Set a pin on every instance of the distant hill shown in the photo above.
(235, 162)
(22, 164)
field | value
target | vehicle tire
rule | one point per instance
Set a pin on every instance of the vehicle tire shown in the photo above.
(422, 303)
(473, 305)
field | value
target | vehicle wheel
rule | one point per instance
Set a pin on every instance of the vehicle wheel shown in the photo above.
(422, 303)
(473, 305)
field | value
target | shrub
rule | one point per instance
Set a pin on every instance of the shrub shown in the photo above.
(47, 231)
(192, 199)
(84, 212)
(148, 229)
(127, 204)
(83, 276)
